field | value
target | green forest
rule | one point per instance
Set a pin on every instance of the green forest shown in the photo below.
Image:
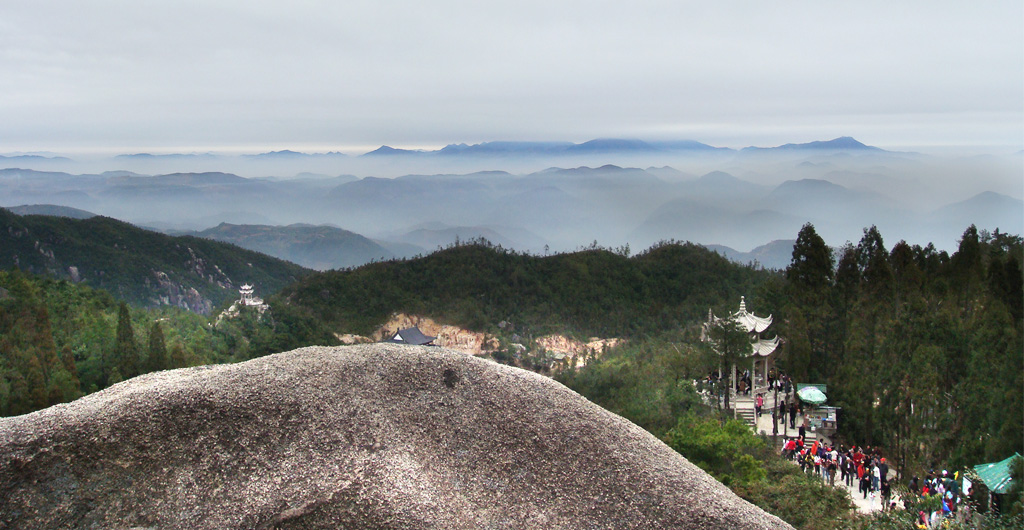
(142, 267)
(921, 349)
(61, 340)
(591, 292)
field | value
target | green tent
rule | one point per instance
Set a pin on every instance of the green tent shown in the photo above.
(996, 476)
(820, 386)
(811, 394)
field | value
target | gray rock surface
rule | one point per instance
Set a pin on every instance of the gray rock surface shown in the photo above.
(369, 436)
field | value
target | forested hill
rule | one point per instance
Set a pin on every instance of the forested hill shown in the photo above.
(140, 266)
(591, 292)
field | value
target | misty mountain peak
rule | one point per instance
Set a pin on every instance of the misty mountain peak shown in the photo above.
(809, 185)
(615, 144)
(283, 152)
(843, 143)
(718, 176)
(388, 150)
(454, 148)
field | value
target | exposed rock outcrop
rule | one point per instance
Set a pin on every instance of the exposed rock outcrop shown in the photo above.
(349, 339)
(448, 336)
(369, 436)
(175, 294)
(576, 351)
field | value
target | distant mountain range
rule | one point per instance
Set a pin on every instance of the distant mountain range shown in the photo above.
(166, 156)
(607, 145)
(432, 236)
(843, 143)
(461, 158)
(495, 148)
(315, 247)
(14, 159)
(777, 254)
(986, 210)
(327, 247)
(739, 203)
(287, 153)
(52, 210)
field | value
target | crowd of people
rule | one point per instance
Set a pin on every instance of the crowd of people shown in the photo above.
(865, 467)
(946, 486)
(862, 467)
(745, 384)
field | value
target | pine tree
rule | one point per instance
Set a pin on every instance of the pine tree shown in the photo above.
(19, 400)
(42, 339)
(799, 358)
(1014, 287)
(38, 397)
(907, 276)
(967, 268)
(67, 359)
(178, 359)
(811, 269)
(156, 359)
(732, 344)
(63, 383)
(809, 279)
(847, 286)
(873, 262)
(126, 349)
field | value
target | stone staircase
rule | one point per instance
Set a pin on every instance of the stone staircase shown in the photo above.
(745, 412)
(744, 409)
(747, 416)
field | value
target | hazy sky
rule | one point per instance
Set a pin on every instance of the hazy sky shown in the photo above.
(350, 75)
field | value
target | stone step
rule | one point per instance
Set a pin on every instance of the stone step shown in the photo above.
(747, 416)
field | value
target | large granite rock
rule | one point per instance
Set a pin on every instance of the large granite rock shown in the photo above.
(370, 436)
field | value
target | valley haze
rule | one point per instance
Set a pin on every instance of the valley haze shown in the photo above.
(536, 196)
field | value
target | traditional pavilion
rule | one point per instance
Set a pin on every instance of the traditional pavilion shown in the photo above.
(761, 350)
(247, 296)
(246, 299)
(249, 300)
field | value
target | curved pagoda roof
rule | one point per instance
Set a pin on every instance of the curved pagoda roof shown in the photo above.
(765, 347)
(752, 324)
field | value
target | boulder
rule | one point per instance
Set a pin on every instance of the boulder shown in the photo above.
(367, 436)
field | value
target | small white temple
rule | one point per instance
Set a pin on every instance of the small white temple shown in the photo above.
(247, 297)
(761, 349)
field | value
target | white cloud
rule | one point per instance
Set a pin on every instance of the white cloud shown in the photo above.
(227, 73)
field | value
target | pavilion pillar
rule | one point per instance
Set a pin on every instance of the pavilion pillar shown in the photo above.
(734, 380)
